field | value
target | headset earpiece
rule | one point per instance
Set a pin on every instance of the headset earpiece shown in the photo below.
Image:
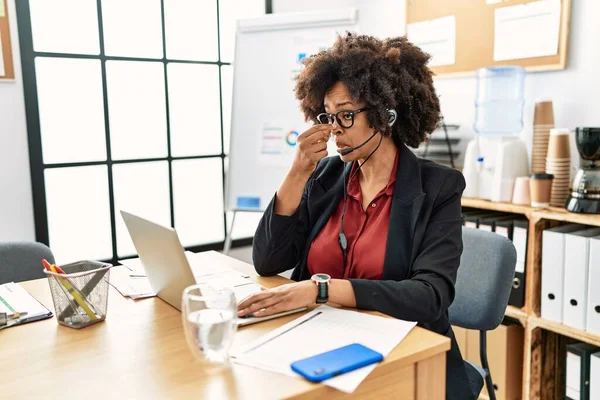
(392, 116)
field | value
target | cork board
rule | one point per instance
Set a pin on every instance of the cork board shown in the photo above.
(475, 31)
(7, 70)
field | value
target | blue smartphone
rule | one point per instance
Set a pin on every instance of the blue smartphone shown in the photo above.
(336, 362)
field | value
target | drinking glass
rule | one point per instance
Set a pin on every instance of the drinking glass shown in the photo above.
(209, 321)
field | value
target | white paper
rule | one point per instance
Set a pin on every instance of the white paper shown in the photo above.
(199, 268)
(324, 329)
(131, 281)
(502, 231)
(128, 286)
(2, 9)
(484, 227)
(436, 37)
(595, 376)
(13, 298)
(573, 376)
(2, 72)
(520, 242)
(135, 266)
(527, 30)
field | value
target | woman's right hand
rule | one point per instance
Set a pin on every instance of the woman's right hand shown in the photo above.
(311, 147)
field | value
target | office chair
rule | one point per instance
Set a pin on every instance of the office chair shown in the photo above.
(483, 285)
(22, 261)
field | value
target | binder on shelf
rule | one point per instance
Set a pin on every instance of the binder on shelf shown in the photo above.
(505, 228)
(467, 213)
(595, 376)
(553, 264)
(486, 223)
(578, 371)
(576, 277)
(490, 224)
(472, 219)
(593, 305)
(520, 239)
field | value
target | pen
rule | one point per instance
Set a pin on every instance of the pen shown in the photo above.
(87, 288)
(74, 292)
(5, 318)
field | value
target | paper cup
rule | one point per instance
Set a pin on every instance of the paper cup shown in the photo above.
(558, 146)
(540, 189)
(543, 113)
(521, 191)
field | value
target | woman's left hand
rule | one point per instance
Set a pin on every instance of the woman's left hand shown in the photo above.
(279, 299)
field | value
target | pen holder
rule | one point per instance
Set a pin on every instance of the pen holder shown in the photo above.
(80, 295)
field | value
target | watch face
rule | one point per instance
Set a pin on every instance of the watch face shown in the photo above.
(321, 278)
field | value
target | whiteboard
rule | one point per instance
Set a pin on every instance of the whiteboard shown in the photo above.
(266, 118)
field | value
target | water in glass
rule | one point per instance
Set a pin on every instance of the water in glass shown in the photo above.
(209, 317)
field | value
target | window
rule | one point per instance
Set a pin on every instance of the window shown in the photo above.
(128, 107)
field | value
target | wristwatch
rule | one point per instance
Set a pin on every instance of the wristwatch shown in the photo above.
(322, 282)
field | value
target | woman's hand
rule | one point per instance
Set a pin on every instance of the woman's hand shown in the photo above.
(279, 299)
(311, 148)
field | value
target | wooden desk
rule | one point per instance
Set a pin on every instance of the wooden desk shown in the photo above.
(140, 352)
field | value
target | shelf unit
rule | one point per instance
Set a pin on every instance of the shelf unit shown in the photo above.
(545, 341)
(565, 330)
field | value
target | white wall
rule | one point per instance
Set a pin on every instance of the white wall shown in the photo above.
(16, 205)
(381, 18)
(574, 91)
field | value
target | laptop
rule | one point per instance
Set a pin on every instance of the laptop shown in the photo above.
(169, 271)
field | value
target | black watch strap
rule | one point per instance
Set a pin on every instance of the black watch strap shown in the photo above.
(322, 292)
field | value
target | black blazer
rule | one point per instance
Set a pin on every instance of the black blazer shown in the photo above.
(423, 250)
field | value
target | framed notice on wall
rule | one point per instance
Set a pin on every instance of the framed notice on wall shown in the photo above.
(7, 70)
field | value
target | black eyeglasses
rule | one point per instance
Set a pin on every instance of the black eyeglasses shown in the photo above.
(344, 118)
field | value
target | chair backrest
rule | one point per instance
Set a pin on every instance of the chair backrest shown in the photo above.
(22, 261)
(484, 281)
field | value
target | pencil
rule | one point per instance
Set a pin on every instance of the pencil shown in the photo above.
(74, 292)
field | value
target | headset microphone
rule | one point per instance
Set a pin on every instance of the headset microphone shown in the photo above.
(351, 149)
(392, 116)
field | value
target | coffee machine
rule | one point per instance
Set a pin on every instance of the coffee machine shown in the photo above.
(585, 190)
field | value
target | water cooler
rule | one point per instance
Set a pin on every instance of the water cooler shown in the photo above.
(497, 155)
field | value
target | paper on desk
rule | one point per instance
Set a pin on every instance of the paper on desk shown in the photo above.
(526, 30)
(137, 268)
(128, 286)
(13, 298)
(199, 268)
(134, 265)
(130, 278)
(323, 329)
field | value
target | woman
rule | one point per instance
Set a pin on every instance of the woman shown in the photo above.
(376, 228)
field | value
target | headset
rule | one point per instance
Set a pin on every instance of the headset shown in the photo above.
(392, 117)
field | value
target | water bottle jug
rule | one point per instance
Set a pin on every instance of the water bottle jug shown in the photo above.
(499, 101)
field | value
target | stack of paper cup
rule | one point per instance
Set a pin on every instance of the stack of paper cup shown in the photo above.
(558, 163)
(543, 121)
